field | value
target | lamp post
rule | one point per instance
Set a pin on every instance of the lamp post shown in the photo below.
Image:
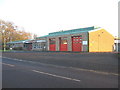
(4, 40)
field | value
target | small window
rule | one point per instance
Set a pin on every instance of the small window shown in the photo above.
(76, 39)
(63, 40)
(52, 41)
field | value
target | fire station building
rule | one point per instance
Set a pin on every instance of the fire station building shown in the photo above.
(89, 39)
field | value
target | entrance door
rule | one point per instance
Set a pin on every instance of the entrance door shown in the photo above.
(63, 44)
(29, 46)
(52, 46)
(76, 43)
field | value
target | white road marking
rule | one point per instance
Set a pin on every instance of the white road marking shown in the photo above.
(20, 60)
(100, 72)
(7, 57)
(8, 64)
(77, 80)
(15, 59)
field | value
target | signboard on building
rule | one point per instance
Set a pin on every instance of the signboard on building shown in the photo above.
(84, 42)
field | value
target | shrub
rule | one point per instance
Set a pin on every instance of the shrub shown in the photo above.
(17, 48)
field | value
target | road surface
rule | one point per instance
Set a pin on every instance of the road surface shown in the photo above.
(19, 73)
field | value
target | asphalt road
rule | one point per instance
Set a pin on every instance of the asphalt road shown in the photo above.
(19, 73)
(105, 62)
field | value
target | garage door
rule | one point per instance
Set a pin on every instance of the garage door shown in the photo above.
(52, 45)
(63, 44)
(76, 43)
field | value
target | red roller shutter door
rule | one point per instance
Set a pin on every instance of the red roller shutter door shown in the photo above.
(77, 43)
(63, 44)
(52, 46)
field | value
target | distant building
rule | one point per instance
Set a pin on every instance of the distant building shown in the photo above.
(20, 45)
(39, 45)
(30, 44)
(117, 45)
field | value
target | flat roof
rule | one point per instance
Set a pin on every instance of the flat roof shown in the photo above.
(20, 41)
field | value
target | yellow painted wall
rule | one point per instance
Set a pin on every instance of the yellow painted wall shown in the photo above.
(100, 41)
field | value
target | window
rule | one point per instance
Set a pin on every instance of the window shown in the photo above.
(76, 39)
(24, 45)
(63, 40)
(35, 45)
(52, 41)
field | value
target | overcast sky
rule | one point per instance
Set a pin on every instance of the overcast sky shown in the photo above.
(44, 16)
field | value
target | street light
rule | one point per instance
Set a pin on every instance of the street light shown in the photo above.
(4, 35)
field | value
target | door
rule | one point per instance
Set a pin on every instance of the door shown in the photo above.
(77, 43)
(29, 46)
(63, 44)
(52, 45)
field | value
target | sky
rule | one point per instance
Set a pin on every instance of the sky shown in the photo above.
(44, 16)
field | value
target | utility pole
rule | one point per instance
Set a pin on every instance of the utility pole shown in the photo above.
(4, 40)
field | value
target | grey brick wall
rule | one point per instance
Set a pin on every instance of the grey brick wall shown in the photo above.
(69, 39)
(57, 43)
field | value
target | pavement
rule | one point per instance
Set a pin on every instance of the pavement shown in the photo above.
(59, 70)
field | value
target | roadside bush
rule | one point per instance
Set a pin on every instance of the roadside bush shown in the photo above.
(17, 48)
(6, 48)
